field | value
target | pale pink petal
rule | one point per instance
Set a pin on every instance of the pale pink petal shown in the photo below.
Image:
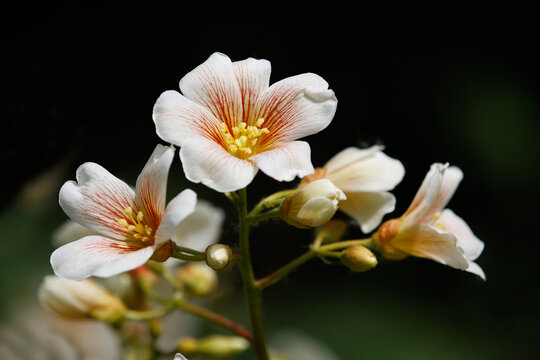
(253, 77)
(200, 229)
(286, 161)
(355, 170)
(425, 196)
(452, 176)
(151, 184)
(97, 256)
(296, 107)
(207, 162)
(474, 268)
(178, 119)
(471, 246)
(177, 210)
(427, 242)
(368, 208)
(97, 200)
(214, 85)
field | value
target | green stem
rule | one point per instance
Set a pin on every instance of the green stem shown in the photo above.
(257, 218)
(271, 201)
(345, 244)
(251, 291)
(216, 318)
(146, 314)
(285, 270)
(181, 255)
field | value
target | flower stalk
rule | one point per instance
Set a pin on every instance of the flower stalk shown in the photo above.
(251, 290)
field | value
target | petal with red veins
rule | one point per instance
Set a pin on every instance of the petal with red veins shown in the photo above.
(214, 85)
(179, 119)
(427, 242)
(253, 77)
(362, 170)
(97, 200)
(296, 107)
(286, 161)
(151, 184)
(177, 210)
(207, 162)
(368, 208)
(97, 256)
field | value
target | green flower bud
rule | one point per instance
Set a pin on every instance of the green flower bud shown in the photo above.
(218, 256)
(358, 258)
(219, 346)
(197, 278)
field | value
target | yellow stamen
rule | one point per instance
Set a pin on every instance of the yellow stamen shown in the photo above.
(135, 226)
(241, 140)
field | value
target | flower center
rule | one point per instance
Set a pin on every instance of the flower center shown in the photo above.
(243, 139)
(135, 225)
(438, 224)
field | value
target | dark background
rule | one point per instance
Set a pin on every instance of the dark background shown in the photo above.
(452, 83)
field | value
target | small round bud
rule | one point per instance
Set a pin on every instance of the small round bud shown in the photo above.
(358, 258)
(197, 278)
(80, 299)
(218, 256)
(222, 346)
(313, 204)
(188, 346)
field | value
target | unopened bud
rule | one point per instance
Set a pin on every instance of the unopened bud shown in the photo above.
(219, 346)
(332, 231)
(358, 258)
(80, 299)
(188, 346)
(179, 357)
(313, 204)
(218, 256)
(197, 278)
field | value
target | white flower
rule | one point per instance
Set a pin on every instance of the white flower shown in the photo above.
(365, 176)
(179, 357)
(428, 230)
(313, 204)
(79, 299)
(132, 223)
(229, 122)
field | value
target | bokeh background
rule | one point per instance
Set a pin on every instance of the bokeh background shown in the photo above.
(454, 83)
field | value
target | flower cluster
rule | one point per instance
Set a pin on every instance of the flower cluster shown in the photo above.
(229, 122)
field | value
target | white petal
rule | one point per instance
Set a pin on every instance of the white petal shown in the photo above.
(427, 242)
(152, 184)
(97, 201)
(296, 107)
(286, 161)
(180, 207)
(253, 77)
(207, 162)
(178, 119)
(364, 170)
(474, 268)
(213, 84)
(97, 256)
(471, 246)
(200, 229)
(452, 176)
(70, 231)
(368, 208)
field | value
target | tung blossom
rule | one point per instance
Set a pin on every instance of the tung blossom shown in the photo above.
(365, 176)
(229, 122)
(428, 230)
(131, 223)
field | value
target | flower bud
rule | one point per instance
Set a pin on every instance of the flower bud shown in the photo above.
(332, 231)
(80, 299)
(219, 346)
(188, 346)
(218, 256)
(358, 258)
(313, 204)
(197, 278)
